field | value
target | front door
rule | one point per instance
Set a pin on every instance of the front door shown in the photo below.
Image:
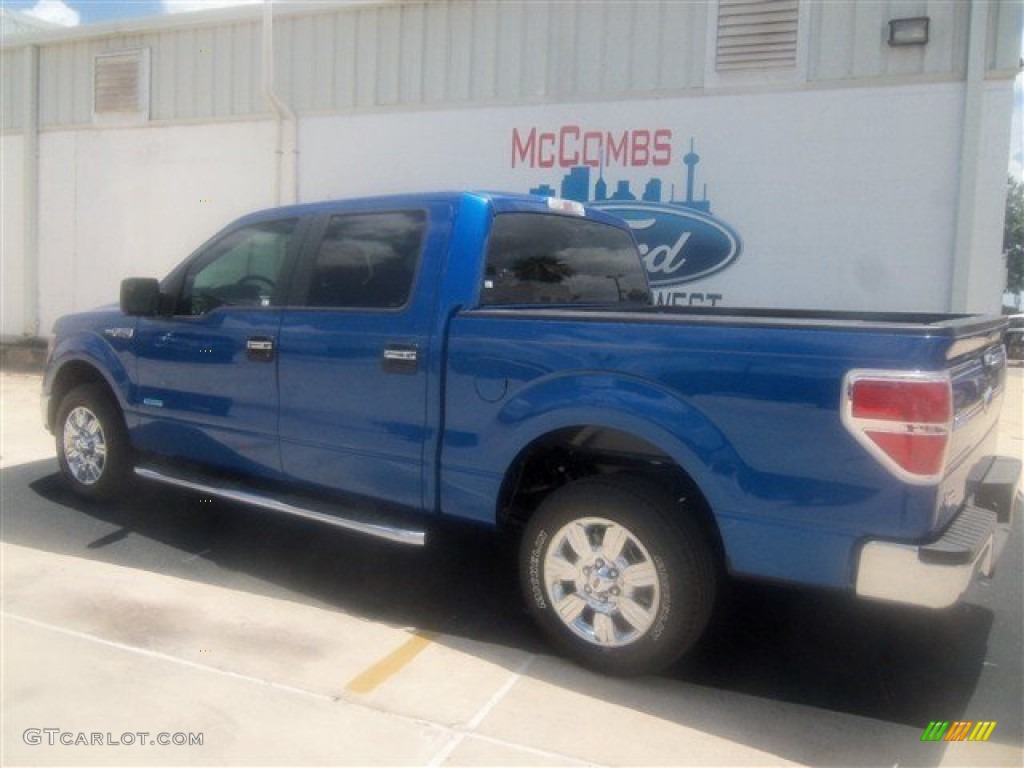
(208, 373)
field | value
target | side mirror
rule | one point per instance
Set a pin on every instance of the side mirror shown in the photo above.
(140, 296)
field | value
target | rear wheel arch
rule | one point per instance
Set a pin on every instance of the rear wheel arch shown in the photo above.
(561, 456)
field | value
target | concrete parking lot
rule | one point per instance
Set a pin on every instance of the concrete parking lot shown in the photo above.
(169, 617)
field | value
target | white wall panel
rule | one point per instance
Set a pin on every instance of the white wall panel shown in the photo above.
(844, 199)
(987, 274)
(137, 201)
(12, 275)
(58, 245)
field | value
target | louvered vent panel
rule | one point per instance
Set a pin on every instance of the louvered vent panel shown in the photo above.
(756, 34)
(117, 83)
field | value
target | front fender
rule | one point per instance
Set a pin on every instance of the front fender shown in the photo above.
(110, 358)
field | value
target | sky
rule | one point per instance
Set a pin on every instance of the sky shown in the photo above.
(74, 12)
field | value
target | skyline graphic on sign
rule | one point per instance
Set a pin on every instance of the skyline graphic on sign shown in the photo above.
(576, 186)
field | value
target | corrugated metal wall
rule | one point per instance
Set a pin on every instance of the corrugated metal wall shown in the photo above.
(443, 53)
(196, 73)
(12, 63)
(458, 52)
(848, 40)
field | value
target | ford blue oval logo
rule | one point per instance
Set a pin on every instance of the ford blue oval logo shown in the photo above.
(678, 245)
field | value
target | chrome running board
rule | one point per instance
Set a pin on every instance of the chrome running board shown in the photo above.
(234, 492)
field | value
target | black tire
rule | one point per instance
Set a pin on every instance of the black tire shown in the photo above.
(632, 613)
(92, 443)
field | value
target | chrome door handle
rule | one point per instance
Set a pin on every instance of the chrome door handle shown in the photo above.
(259, 349)
(401, 358)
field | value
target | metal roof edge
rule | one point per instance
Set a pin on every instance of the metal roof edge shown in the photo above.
(191, 19)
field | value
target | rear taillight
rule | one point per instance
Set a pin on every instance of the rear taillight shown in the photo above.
(904, 419)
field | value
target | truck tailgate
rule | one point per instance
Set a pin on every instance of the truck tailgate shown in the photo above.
(978, 379)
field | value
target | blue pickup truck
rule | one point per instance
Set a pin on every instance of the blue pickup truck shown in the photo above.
(387, 364)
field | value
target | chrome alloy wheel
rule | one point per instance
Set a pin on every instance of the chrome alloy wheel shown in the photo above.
(602, 582)
(85, 445)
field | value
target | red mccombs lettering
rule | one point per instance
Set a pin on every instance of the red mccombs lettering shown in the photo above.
(570, 146)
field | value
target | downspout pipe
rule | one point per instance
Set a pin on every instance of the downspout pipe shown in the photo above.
(286, 143)
(30, 192)
(970, 151)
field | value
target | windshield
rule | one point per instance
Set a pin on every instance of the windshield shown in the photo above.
(536, 258)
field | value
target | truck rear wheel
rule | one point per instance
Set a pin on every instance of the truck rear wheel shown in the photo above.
(92, 446)
(617, 574)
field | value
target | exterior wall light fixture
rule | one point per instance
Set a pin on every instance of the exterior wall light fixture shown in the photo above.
(908, 31)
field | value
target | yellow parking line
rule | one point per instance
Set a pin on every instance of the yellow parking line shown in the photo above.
(390, 665)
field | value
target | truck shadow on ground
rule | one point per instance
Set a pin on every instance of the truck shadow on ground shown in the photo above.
(814, 649)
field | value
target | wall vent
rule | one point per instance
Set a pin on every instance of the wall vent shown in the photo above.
(756, 34)
(121, 86)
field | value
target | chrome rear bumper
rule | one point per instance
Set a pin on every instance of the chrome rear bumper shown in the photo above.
(937, 573)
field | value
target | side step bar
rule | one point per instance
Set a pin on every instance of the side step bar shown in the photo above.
(234, 492)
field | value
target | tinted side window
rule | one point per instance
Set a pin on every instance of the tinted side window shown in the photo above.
(240, 269)
(535, 258)
(367, 260)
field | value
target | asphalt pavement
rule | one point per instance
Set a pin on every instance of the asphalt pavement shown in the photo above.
(278, 641)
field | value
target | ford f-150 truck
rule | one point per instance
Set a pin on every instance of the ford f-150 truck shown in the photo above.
(386, 364)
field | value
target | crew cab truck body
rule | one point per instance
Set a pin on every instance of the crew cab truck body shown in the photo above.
(384, 364)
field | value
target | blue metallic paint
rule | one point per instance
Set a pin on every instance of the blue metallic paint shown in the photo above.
(749, 409)
(80, 339)
(720, 404)
(200, 396)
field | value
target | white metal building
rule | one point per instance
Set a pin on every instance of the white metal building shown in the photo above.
(856, 152)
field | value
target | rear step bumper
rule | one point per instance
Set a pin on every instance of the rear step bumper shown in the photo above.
(936, 574)
(358, 521)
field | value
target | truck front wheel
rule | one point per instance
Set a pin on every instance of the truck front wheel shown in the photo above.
(92, 447)
(617, 574)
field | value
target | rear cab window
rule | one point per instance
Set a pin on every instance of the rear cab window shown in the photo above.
(542, 258)
(367, 260)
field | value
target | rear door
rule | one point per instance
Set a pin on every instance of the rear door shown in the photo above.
(354, 352)
(207, 375)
